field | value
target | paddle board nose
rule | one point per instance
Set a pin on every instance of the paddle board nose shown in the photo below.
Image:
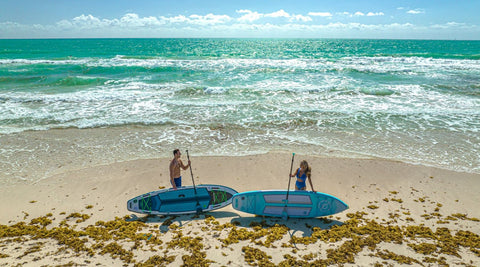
(132, 205)
(243, 202)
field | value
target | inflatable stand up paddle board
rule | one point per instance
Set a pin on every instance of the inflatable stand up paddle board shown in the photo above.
(184, 200)
(300, 204)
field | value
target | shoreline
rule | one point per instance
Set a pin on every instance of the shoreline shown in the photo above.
(389, 193)
(36, 155)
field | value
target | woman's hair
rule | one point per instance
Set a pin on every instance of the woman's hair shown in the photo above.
(308, 170)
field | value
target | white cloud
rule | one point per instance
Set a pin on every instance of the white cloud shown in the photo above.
(88, 21)
(129, 20)
(320, 14)
(249, 16)
(415, 11)
(301, 18)
(453, 25)
(209, 19)
(134, 20)
(371, 14)
(246, 23)
(278, 14)
(176, 19)
(361, 14)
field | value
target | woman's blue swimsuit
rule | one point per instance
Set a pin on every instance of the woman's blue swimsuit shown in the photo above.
(301, 184)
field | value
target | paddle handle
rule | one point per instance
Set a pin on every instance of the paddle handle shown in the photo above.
(191, 172)
(289, 178)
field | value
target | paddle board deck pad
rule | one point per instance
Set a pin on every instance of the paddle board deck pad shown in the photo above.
(183, 200)
(300, 204)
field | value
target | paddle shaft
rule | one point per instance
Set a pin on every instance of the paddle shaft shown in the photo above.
(289, 178)
(191, 173)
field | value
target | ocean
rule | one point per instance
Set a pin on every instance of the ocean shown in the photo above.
(415, 101)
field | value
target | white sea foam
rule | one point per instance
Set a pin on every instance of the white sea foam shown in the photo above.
(377, 106)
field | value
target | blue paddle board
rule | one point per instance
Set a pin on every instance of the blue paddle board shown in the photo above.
(300, 204)
(183, 200)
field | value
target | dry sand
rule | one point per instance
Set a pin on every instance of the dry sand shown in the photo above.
(399, 214)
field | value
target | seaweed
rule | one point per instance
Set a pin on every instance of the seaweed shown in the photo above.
(122, 239)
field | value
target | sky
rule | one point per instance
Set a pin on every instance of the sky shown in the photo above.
(382, 19)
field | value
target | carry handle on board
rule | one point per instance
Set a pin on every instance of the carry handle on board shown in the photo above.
(284, 213)
(199, 209)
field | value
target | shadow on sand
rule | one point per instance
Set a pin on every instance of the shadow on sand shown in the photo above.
(304, 225)
(182, 220)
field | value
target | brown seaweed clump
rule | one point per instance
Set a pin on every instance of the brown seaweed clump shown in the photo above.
(82, 217)
(256, 257)
(156, 260)
(192, 245)
(388, 255)
(117, 250)
(271, 234)
(424, 248)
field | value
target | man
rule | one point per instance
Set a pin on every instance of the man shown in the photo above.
(175, 165)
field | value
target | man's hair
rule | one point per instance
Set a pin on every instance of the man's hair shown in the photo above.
(175, 151)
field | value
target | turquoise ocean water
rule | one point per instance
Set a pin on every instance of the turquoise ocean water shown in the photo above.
(409, 100)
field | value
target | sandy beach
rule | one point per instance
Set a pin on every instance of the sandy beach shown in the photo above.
(382, 100)
(400, 214)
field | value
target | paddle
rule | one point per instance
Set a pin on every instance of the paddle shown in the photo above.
(199, 209)
(284, 213)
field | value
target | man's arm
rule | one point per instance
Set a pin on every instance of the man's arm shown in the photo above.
(184, 167)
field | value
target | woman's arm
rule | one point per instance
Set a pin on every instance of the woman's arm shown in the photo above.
(310, 181)
(295, 173)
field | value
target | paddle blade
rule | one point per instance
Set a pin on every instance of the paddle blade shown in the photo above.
(285, 214)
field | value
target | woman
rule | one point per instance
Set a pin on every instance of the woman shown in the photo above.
(303, 173)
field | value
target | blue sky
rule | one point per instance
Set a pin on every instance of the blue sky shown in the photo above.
(386, 19)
